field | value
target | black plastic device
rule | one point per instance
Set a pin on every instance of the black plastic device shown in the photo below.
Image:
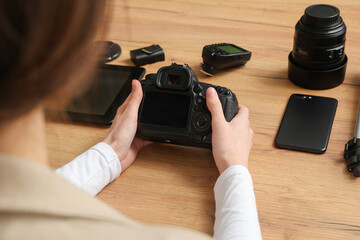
(318, 59)
(352, 156)
(223, 55)
(173, 109)
(352, 150)
(307, 123)
(109, 88)
(109, 50)
(147, 55)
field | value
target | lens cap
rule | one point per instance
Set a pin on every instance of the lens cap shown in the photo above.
(109, 50)
(321, 14)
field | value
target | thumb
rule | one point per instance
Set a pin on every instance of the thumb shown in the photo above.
(214, 105)
(135, 98)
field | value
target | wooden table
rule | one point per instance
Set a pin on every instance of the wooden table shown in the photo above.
(299, 195)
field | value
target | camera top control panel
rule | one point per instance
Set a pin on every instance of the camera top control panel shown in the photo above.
(174, 108)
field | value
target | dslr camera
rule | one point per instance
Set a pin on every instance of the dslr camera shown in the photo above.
(173, 109)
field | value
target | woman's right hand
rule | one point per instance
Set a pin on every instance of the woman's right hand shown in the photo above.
(231, 141)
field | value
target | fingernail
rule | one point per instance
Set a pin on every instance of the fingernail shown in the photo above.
(212, 91)
(134, 84)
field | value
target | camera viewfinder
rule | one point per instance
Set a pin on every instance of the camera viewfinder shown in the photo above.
(174, 79)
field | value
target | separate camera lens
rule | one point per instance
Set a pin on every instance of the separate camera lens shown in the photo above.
(318, 60)
(174, 79)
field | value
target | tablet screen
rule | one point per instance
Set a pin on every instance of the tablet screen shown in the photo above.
(101, 94)
(109, 88)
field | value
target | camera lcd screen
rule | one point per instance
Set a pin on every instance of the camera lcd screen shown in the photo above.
(230, 49)
(165, 109)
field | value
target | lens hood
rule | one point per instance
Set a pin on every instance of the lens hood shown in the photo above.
(316, 79)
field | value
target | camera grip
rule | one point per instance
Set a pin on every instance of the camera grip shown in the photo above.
(231, 109)
(228, 101)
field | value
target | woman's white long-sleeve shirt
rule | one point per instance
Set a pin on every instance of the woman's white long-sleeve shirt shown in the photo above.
(236, 214)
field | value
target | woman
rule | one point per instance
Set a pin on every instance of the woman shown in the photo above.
(41, 42)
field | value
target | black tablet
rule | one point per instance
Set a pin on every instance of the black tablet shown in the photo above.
(108, 90)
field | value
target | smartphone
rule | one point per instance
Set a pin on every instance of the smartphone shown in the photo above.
(307, 123)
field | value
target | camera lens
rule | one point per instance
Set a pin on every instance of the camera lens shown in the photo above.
(318, 60)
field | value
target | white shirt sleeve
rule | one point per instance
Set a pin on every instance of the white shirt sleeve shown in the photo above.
(94, 169)
(236, 214)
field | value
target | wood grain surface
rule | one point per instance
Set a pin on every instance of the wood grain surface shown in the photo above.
(299, 195)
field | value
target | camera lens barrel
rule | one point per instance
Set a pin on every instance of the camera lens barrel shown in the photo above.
(318, 59)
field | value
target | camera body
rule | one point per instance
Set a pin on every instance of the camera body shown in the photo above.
(173, 109)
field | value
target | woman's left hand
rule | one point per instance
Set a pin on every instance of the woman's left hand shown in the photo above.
(121, 136)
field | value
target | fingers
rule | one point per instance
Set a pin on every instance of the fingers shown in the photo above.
(214, 105)
(139, 143)
(243, 111)
(251, 137)
(147, 143)
(242, 115)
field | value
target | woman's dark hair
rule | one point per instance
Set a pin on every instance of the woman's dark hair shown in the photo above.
(45, 50)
